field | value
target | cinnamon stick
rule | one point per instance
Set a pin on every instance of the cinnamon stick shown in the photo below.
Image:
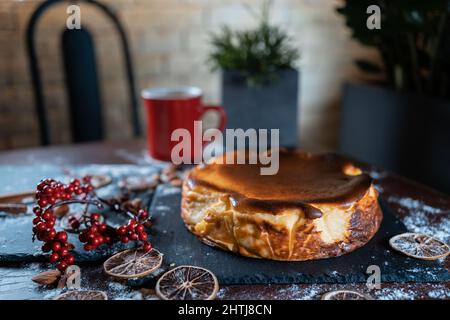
(16, 197)
(13, 208)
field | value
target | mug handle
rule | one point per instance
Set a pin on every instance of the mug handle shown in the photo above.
(222, 115)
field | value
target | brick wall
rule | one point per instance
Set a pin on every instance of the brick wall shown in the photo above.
(169, 43)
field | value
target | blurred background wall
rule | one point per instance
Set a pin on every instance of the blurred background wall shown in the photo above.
(169, 43)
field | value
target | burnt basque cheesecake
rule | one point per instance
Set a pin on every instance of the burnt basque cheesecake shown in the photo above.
(316, 206)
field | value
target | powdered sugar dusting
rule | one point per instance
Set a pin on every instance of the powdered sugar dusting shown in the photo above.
(119, 291)
(395, 294)
(166, 191)
(439, 294)
(413, 204)
(410, 291)
(423, 218)
(296, 294)
(419, 222)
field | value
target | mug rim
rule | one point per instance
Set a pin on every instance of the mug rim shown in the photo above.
(159, 93)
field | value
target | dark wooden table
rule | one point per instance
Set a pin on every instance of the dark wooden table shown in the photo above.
(392, 187)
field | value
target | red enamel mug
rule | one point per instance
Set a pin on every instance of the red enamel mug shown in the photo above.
(173, 108)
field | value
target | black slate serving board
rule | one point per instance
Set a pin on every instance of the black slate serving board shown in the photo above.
(182, 247)
(179, 246)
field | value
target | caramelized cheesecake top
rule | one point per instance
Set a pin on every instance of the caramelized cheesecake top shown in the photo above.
(303, 179)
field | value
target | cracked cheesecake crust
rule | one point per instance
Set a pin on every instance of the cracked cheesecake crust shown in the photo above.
(316, 206)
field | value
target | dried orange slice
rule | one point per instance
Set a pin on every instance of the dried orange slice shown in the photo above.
(419, 246)
(187, 283)
(82, 295)
(133, 263)
(345, 295)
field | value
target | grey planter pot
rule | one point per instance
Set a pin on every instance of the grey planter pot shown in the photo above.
(405, 133)
(273, 105)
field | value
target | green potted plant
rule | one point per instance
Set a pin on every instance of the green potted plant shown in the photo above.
(401, 121)
(259, 80)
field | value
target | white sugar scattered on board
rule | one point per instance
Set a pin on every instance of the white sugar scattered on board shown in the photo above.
(221, 293)
(162, 208)
(414, 270)
(413, 204)
(114, 291)
(394, 294)
(437, 291)
(293, 292)
(52, 294)
(120, 291)
(166, 191)
(315, 292)
(439, 294)
(305, 294)
(419, 222)
(418, 218)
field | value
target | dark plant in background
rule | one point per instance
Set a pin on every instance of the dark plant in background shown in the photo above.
(258, 53)
(414, 42)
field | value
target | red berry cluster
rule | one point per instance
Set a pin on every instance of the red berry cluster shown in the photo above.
(95, 234)
(135, 230)
(50, 193)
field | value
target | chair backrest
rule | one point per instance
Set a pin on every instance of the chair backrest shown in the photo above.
(78, 52)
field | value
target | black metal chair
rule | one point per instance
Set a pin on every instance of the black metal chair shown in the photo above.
(81, 77)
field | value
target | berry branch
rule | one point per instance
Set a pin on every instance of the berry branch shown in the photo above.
(51, 194)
